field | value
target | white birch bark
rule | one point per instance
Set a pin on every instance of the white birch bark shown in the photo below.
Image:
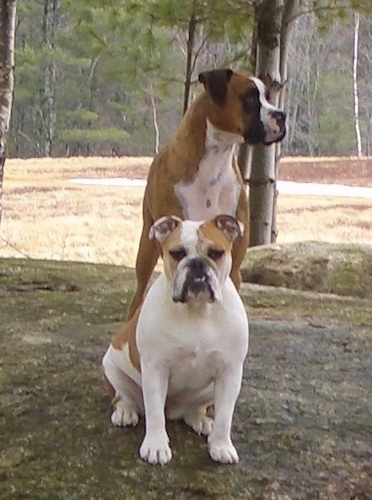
(155, 120)
(355, 84)
(289, 11)
(7, 29)
(262, 179)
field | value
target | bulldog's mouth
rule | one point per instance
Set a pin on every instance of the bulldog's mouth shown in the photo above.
(196, 287)
(196, 280)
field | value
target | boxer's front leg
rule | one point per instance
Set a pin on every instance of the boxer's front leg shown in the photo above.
(227, 387)
(147, 257)
(155, 448)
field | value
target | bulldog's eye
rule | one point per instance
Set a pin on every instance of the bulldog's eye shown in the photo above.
(215, 254)
(178, 254)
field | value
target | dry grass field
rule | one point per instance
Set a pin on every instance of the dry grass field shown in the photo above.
(47, 217)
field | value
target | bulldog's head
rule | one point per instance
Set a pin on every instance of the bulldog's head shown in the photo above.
(197, 255)
(238, 104)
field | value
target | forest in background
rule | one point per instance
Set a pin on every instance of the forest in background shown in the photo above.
(103, 80)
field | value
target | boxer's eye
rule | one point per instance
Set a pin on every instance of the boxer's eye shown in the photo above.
(251, 101)
(178, 254)
(215, 254)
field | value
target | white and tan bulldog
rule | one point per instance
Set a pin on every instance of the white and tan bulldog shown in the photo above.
(183, 350)
(195, 176)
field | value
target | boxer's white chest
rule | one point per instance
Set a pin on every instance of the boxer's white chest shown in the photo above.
(215, 189)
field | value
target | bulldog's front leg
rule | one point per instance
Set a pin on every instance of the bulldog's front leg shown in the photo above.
(155, 448)
(227, 387)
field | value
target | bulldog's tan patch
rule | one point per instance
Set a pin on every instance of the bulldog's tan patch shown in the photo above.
(210, 233)
(171, 243)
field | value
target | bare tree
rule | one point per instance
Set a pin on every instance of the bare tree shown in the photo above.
(262, 179)
(355, 84)
(7, 29)
(154, 118)
(289, 11)
(47, 90)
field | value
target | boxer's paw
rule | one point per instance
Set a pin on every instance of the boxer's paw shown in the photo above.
(156, 450)
(199, 422)
(124, 415)
(223, 451)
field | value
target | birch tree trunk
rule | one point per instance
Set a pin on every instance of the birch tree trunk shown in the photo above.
(155, 120)
(7, 29)
(355, 84)
(262, 180)
(290, 8)
(245, 150)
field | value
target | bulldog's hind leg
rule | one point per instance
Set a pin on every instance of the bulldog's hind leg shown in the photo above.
(199, 421)
(124, 394)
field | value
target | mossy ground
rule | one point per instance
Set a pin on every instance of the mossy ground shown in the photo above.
(302, 427)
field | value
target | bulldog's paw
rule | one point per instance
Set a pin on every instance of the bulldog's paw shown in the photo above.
(200, 423)
(223, 451)
(156, 450)
(124, 415)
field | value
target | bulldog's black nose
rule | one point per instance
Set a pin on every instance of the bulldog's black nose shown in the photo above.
(197, 266)
(279, 115)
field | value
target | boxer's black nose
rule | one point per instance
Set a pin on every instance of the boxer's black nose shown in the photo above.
(279, 115)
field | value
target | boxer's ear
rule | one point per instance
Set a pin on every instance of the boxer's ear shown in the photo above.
(229, 226)
(163, 227)
(215, 82)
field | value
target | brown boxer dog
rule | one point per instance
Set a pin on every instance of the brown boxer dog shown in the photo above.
(195, 176)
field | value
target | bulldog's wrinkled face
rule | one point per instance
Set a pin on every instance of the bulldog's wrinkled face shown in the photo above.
(197, 255)
(239, 105)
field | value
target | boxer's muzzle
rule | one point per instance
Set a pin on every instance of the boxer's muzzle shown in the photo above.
(269, 122)
(271, 130)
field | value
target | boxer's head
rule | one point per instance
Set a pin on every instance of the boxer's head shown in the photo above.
(238, 104)
(197, 255)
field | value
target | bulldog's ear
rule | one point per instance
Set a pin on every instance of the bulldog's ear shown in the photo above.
(229, 226)
(215, 82)
(163, 227)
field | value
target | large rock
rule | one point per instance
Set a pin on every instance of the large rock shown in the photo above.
(342, 269)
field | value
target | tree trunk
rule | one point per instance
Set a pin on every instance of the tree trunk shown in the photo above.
(290, 8)
(7, 29)
(244, 160)
(262, 181)
(355, 85)
(155, 119)
(245, 150)
(47, 90)
(189, 66)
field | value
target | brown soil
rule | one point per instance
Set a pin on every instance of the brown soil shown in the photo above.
(347, 171)
(302, 426)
